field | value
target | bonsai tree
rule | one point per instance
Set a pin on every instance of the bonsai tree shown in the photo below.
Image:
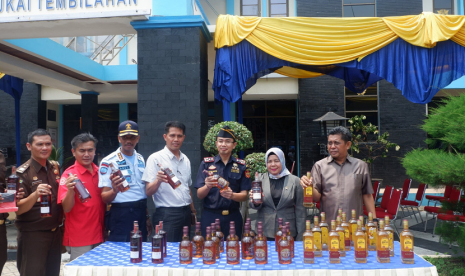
(243, 137)
(443, 162)
(255, 163)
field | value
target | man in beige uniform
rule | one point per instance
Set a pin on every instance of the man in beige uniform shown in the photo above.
(339, 180)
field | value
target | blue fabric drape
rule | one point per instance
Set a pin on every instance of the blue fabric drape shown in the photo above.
(418, 72)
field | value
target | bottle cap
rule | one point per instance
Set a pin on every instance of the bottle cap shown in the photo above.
(315, 219)
(232, 231)
(280, 220)
(185, 230)
(288, 223)
(217, 220)
(260, 224)
(208, 230)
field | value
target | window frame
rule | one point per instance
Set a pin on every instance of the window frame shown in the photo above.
(259, 8)
(348, 114)
(360, 4)
(287, 8)
(451, 9)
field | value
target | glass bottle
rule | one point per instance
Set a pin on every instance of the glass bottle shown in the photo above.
(278, 234)
(12, 184)
(222, 183)
(252, 232)
(219, 234)
(308, 194)
(260, 247)
(284, 253)
(334, 255)
(317, 238)
(353, 227)
(198, 241)
(382, 244)
(308, 242)
(340, 232)
(290, 238)
(172, 179)
(371, 228)
(346, 227)
(185, 247)
(45, 206)
(324, 232)
(406, 245)
(364, 229)
(215, 239)
(115, 171)
(209, 249)
(157, 246)
(339, 213)
(257, 190)
(247, 244)
(136, 245)
(232, 247)
(360, 244)
(164, 235)
(390, 231)
(82, 192)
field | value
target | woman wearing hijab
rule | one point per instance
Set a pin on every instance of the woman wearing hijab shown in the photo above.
(282, 197)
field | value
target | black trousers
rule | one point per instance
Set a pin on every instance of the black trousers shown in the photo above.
(174, 219)
(3, 247)
(39, 253)
(121, 221)
(209, 216)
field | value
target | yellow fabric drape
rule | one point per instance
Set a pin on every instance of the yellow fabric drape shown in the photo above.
(2, 75)
(297, 73)
(323, 41)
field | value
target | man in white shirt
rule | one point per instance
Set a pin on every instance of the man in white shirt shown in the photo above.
(174, 206)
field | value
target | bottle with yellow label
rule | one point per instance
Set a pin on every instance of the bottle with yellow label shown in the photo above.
(352, 227)
(340, 231)
(406, 245)
(364, 230)
(324, 232)
(334, 255)
(346, 227)
(317, 238)
(390, 231)
(308, 194)
(382, 244)
(309, 256)
(360, 248)
(372, 229)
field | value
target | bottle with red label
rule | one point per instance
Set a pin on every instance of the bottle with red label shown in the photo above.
(222, 183)
(172, 179)
(308, 194)
(406, 245)
(309, 244)
(360, 244)
(257, 190)
(232, 247)
(334, 242)
(82, 192)
(136, 244)
(157, 247)
(115, 171)
(284, 252)
(260, 247)
(185, 248)
(382, 244)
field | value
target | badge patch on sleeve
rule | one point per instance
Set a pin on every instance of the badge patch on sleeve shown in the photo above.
(62, 181)
(247, 173)
(103, 170)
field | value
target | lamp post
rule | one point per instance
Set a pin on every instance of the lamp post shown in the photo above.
(329, 120)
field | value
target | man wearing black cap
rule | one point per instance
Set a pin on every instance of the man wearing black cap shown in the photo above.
(131, 205)
(223, 205)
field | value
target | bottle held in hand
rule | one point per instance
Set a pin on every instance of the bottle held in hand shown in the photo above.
(222, 183)
(308, 194)
(172, 179)
(45, 206)
(12, 182)
(257, 190)
(82, 192)
(115, 171)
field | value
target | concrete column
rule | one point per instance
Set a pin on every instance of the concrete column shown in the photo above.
(89, 112)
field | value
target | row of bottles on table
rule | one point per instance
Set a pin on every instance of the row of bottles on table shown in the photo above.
(158, 244)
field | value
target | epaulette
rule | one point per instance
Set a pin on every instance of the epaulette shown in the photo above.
(208, 159)
(120, 156)
(23, 167)
(240, 161)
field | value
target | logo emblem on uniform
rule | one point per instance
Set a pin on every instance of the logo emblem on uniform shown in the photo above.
(212, 167)
(34, 178)
(128, 126)
(208, 159)
(103, 170)
(247, 173)
(235, 168)
(55, 171)
(62, 181)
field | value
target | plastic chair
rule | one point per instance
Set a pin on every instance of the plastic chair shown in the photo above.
(406, 188)
(375, 190)
(414, 203)
(392, 208)
(385, 199)
(437, 199)
(454, 197)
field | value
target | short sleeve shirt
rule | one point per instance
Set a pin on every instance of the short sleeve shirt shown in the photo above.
(234, 172)
(84, 223)
(341, 186)
(165, 195)
(132, 172)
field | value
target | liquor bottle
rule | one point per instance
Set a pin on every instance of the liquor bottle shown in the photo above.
(164, 235)
(185, 247)
(82, 192)
(260, 247)
(215, 239)
(12, 182)
(134, 231)
(115, 171)
(364, 230)
(247, 243)
(284, 253)
(308, 194)
(157, 246)
(290, 238)
(346, 227)
(339, 213)
(382, 244)
(222, 183)
(45, 206)
(317, 238)
(308, 242)
(334, 255)
(172, 179)
(390, 231)
(324, 232)
(278, 234)
(340, 232)
(360, 244)
(209, 249)
(406, 245)
(371, 228)
(251, 232)
(136, 245)
(219, 234)
(257, 190)
(232, 247)
(198, 241)
(352, 227)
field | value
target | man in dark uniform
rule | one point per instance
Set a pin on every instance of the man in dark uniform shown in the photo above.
(223, 205)
(39, 239)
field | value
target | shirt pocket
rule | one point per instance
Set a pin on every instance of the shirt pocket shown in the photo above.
(355, 180)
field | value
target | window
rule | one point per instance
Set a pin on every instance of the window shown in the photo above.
(358, 8)
(365, 103)
(250, 7)
(443, 7)
(278, 8)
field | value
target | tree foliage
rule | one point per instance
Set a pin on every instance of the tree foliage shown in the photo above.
(256, 163)
(244, 137)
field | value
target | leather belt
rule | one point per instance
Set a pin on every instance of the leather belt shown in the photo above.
(222, 212)
(2, 221)
(134, 204)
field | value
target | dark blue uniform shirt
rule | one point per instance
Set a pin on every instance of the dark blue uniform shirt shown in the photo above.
(233, 171)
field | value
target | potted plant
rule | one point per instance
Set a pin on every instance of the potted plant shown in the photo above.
(255, 163)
